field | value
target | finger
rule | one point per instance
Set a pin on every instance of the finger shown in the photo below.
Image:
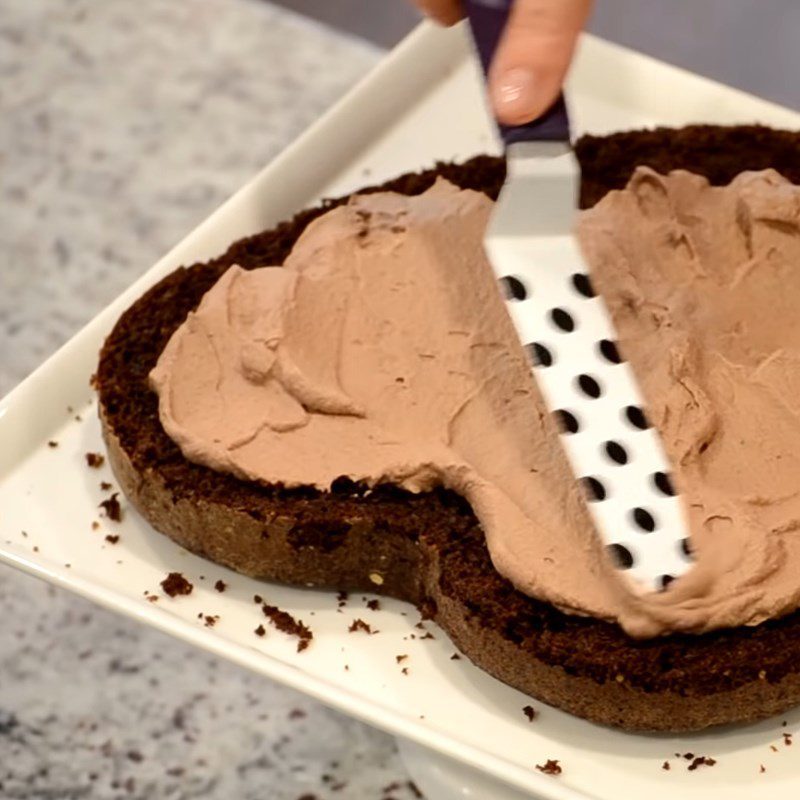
(446, 12)
(533, 57)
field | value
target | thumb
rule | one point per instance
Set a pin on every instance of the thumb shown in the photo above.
(533, 57)
(446, 12)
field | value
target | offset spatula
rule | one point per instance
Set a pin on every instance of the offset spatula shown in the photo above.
(569, 336)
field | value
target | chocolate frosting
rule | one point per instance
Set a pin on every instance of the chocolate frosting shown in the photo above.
(382, 351)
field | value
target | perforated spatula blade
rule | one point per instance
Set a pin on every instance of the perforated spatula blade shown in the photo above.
(569, 336)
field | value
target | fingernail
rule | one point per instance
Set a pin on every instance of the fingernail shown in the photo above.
(514, 91)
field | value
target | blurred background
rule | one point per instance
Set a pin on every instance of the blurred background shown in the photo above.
(747, 43)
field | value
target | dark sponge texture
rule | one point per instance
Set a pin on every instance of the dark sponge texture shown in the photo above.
(433, 550)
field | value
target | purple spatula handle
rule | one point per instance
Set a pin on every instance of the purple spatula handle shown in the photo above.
(488, 18)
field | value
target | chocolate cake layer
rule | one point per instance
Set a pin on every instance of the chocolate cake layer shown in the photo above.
(428, 548)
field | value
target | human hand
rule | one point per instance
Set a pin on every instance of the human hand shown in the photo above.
(533, 56)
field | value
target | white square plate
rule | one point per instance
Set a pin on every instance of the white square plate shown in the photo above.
(422, 104)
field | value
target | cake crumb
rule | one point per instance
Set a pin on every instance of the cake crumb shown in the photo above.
(112, 508)
(286, 623)
(95, 525)
(773, 748)
(550, 767)
(258, 599)
(787, 739)
(297, 713)
(700, 761)
(665, 765)
(359, 625)
(175, 584)
(112, 539)
(374, 605)
(529, 712)
(404, 670)
(95, 460)
(341, 599)
(52, 443)
(400, 659)
(151, 598)
(414, 789)
(260, 631)
(105, 486)
(428, 635)
(455, 657)
(220, 586)
(211, 620)
(762, 768)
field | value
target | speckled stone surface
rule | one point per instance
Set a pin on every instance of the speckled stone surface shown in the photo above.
(122, 125)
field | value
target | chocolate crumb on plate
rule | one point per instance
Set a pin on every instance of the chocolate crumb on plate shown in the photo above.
(359, 625)
(175, 584)
(52, 443)
(286, 623)
(112, 539)
(211, 620)
(414, 789)
(374, 605)
(665, 765)
(112, 507)
(400, 659)
(342, 598)
(529, 712)
(787, 739)
(550, 767)
(297, 713)
(258, 599)
(260, 631)
(701, 761)
(404, 670)
(95, 460)
(762, 768)
(455, 657)
(773, 748)
(220, 586)
(95, 525)
(105, 486)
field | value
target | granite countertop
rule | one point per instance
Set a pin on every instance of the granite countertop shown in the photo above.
(123, 125)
